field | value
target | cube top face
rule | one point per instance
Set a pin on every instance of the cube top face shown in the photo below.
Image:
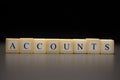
(66, 46)
(79, 40)
(107, 46)
(53, 45)
(39, 39)
(93, 45)
(93, 39)
(79, 45)
(39, 46)
(26, 45)
(107, 40)
(26, 38)
(12, 45)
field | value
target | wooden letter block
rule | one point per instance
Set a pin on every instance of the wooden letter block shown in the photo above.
(93, 45)
(107, 46)
(79, 45)
(39, 46)
(66, 46)
(30, 45)
(26, 45)
(53, 45)
(12, 45)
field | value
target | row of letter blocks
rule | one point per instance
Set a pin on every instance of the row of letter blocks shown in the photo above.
(32, 45)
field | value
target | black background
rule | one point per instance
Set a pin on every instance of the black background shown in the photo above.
(52, 22)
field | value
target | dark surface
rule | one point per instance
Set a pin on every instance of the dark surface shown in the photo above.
(59, 66)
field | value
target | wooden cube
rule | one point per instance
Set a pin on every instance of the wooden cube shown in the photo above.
(39, 45)
(79, 45)
(12, 45)
(66, 46)
(26, 45)
(93, 45)
(107, 46)
(53, 45)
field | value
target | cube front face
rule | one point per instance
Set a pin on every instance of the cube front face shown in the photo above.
(26, 45)
(12, 45)
(30, 45)
(53, 46)
(93, 45)
(107, 46)
(39, 46)
(79, 45)
(66, 46)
